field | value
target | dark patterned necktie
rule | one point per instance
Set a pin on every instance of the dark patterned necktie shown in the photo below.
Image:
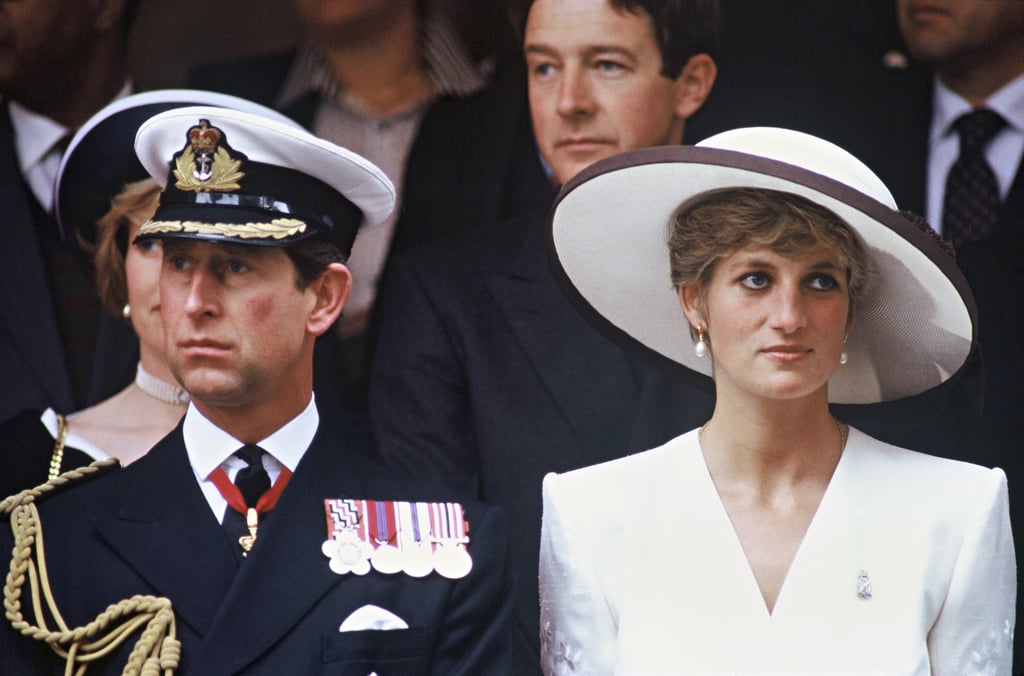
(252, 481)
(971, 204)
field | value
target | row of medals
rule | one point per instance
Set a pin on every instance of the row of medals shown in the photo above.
(350, 553)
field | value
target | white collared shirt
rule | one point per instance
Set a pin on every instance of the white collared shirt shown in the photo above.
(1003, 152)
(209, 447)
(35, 143)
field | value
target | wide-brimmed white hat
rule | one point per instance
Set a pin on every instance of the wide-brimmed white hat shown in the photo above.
(913, 331)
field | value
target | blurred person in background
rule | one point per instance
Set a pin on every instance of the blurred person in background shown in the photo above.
(61, 61)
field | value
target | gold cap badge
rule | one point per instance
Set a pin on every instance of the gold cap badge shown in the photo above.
(206, 164)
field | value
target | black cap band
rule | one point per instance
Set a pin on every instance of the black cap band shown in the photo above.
(270, 192)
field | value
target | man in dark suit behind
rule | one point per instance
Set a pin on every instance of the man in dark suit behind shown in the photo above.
(254, 517)
(485, 376)
(60, 62)
(975, 50)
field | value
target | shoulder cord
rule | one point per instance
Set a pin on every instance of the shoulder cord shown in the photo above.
(58, 448)
(156, 651)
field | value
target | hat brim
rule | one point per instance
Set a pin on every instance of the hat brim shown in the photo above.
(913, 331)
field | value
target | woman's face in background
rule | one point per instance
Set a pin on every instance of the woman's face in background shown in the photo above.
(142, 265)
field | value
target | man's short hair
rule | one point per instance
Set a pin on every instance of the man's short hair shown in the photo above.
(682, 28)
(311, 256)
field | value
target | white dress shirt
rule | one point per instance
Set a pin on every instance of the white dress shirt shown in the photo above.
(210, 447)
(36, 140)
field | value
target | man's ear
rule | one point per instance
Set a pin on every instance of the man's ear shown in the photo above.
(694, 84)
(330, 292)
(689, 300)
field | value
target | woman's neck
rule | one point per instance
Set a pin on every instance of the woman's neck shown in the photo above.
(772, 445)
(155, 364)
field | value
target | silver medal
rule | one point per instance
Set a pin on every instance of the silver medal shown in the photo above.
(386, 559)
(452, 561)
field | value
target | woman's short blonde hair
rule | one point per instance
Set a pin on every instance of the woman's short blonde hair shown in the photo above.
(134, 204)
(715, 224)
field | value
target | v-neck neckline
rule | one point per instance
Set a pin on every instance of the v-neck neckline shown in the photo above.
(734, 542)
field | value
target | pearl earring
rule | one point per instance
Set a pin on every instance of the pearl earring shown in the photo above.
(701, 348)
(843, 357)
(126, 311)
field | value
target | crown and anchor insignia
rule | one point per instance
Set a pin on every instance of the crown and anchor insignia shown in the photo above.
(206, 163)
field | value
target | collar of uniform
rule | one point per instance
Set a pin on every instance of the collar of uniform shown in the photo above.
(208, 446)
(451, 69)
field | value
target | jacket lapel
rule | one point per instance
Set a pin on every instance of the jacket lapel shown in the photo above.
(286, 573)
(165, 505)
(575, 364)
(1012, 213)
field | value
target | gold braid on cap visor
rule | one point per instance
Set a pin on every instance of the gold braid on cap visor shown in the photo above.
(279, 228)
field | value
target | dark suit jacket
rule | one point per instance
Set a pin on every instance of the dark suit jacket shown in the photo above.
(473, 161)
(148, 529)
(33, 373)
(487, 378)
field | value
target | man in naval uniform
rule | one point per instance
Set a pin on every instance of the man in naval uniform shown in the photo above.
(257, 537)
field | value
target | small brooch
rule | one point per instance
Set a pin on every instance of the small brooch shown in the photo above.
(864, 585)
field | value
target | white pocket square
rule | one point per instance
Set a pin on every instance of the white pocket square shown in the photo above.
(372, 617)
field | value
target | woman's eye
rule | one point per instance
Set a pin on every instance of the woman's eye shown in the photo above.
(754, 280)
(237, 267)
(824, 283)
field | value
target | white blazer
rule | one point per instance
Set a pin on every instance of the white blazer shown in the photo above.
(906, 568)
